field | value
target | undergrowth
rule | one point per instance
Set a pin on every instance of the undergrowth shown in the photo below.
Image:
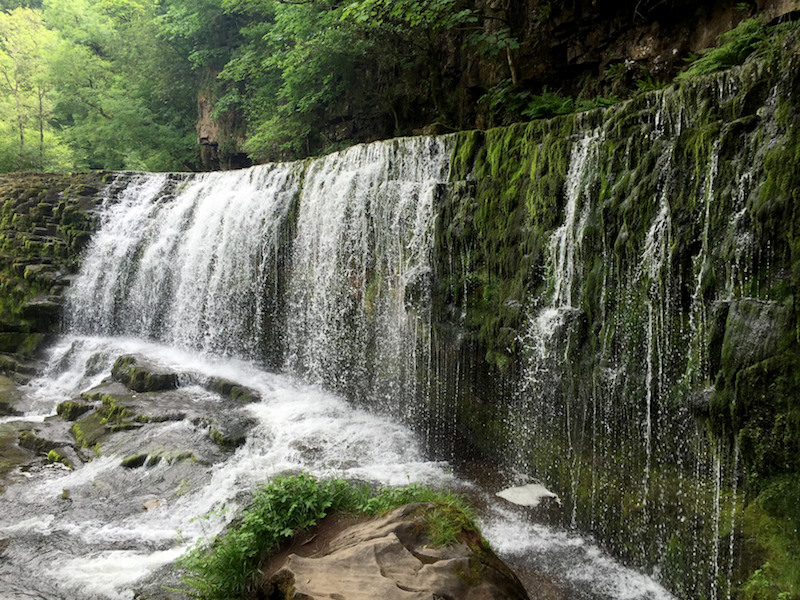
(733, 47)
(227, 566)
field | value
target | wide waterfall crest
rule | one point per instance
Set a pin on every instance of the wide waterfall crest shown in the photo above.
(201, 261)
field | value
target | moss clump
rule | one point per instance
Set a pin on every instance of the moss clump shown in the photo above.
(134, 462)
(89, 429)
(227, 441)
(70, 410)
(772, 530)
(140, 378)
(31, 441)
(231, 390)
(54, 456)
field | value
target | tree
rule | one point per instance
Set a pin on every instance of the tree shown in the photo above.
(124, 93)
(26, 48)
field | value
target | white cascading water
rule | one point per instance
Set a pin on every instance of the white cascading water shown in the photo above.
(186, 261)
(358, 292)
(175, 275)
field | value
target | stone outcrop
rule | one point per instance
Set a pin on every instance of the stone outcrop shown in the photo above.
(390, 558)
(45, 222)
(138, 376)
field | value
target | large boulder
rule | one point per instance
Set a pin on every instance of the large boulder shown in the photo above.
(389, 558)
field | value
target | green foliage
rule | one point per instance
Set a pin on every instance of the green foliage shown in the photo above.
(648, 83)
(733, 47)
(772, 528)
(503, 103)
(26, 94)
(227, 566)
(549, 104)
(123, 95)
(92, 84)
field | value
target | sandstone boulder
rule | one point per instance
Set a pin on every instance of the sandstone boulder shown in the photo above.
(389, 558)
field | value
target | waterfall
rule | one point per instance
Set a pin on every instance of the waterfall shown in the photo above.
(322, 269)
(359, 286)
(598, 303)
(187, 260)
(202, 262)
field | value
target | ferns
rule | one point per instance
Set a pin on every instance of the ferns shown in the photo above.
(733, 47)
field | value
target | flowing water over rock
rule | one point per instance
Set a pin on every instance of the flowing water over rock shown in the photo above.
(324, 271)
(106, 530)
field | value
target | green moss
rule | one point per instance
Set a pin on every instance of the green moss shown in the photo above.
(29, 440)
(54, 456)
(225, 441)
(134, 462)
(31, 207)
(142, 379)
(89, 430)
(70, 410)
(772, 528)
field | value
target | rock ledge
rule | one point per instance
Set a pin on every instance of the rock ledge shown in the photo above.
(389, 558)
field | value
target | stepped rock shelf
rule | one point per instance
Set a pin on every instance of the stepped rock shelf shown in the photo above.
(604, 302)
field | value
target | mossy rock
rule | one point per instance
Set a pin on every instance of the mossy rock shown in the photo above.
(31, 441)
(89, 430)
(56, 457)
(134, 462)
(139, 378)
(71, 410)
(226, 441)
(228, 388)
(9, 396)
(232, 434)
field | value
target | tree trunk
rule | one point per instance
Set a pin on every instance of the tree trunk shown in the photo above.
(21, 123)
(41, 127)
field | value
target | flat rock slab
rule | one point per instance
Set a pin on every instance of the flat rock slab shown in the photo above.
(390, 558)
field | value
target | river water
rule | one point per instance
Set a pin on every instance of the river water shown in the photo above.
(85, 533)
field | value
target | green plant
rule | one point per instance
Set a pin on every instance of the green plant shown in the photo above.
(616, 71)
(648, 83)
(227, 565)
(504, 103)
(548, 104)
(733, 47)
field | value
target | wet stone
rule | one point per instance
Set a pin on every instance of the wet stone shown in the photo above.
(72, 409)
(138, 376)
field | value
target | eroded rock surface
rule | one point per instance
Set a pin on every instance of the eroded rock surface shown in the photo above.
(390, 558)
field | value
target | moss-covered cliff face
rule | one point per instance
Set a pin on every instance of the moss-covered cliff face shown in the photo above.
(626, 283)
(45, 221)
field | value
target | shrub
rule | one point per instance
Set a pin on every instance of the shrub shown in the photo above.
(733, 47)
